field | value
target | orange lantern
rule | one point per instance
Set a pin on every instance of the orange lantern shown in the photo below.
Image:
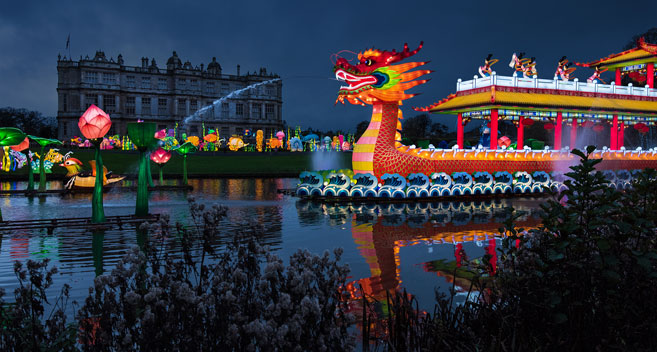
(94, 123)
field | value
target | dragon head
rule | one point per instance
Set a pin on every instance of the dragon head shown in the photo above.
(375, 79)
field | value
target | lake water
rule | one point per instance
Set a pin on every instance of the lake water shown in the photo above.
(388, 247)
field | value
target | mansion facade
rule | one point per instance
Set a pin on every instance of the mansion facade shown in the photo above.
(167, 96)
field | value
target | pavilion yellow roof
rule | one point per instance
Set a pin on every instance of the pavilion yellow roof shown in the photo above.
(642, 53)
(492, 97)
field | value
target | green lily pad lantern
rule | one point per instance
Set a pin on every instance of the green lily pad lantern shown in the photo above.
(43, 142)
(184, 149)
(94, 125)
(142, 135)
(10, 136)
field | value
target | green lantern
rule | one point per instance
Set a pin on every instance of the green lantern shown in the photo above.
(184, 149)
(142, 135)
(43, 142)
(10, 136)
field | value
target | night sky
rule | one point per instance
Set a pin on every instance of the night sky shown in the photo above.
(296, 39)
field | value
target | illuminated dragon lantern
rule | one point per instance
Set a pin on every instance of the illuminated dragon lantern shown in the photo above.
(378, 79)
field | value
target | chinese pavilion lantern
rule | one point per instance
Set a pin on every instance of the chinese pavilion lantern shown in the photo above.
(527, 122)
(640, 126)
(548, 126)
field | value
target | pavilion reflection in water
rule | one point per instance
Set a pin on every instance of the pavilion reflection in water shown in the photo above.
(380, 230)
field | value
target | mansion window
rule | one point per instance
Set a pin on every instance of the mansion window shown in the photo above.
(194, 84)
(130, 105)
(255, 111)
(225, 89)
(64, 102)
(269, 111)
(225, 110)
(181, 84)
(239, 109)
(91, 77)
(109, 103)
(161, 106)
(193, 105)
(109, 78)
(182, 107)
(269, 90)
(145, 106)
(130, 81)
(90, 100)
(162, 83)
(146, 83)
(209, 87)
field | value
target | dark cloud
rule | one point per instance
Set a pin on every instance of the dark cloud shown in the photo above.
(296, 39)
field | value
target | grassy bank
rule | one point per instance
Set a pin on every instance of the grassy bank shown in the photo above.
(204, 164)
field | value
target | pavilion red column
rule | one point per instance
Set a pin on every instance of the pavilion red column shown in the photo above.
(521, 133)
(493, 129)
(459, 130)
(573, 134)
(557, 131)
(651, 75)
(618, 76)
(621, 135)
(614, 134)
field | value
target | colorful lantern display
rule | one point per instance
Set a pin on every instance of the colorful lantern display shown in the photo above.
(10, 136)
(25, 144)
(235, 143)
(160, 157)
(142, 135)
(185, 149)
(259, 140)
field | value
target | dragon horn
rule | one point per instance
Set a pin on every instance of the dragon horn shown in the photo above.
(405, 53)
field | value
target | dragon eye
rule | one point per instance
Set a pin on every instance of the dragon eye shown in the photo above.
(368, 62)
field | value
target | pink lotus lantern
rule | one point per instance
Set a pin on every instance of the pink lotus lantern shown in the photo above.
(504, 142)
(94, 123)
(280, 135)
(160, 157)
(161, 134)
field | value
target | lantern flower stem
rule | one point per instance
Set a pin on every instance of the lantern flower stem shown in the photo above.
(142, 185)
(185, 170)
(30, 173)
(161, 178)
(97, 211)
(42, 170)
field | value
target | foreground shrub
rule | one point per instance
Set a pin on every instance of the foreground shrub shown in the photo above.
(241, 298)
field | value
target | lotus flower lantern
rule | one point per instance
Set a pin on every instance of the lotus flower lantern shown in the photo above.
(142, 135)
(160, 157)
(94, 125)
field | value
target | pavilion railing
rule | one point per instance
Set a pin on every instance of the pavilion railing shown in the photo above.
(574, 85)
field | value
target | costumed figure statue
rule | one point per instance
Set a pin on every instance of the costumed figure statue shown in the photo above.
(487, 70)
(484, 139)
(82, 179)
(518, 63)
(561, 66)
(529, 69)
(596, 76)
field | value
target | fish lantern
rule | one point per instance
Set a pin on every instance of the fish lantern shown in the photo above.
(210, 138)
(194, 140)
(160, 156)
(504, 142)
(22, 146)
(598, 128)
(548, 126)
(247, 132)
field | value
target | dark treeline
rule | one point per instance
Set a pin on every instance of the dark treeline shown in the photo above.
(30, 122)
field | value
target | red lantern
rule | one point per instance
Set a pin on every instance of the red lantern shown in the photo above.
(598, 128)
(160, 156)
(645, 130)
(22, 146)
(640, 126)
(527, 122)
(548, 126)
(587, 124)
(94, 123)
(504, 141)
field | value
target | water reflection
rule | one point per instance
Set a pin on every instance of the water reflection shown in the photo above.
(380, 231)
